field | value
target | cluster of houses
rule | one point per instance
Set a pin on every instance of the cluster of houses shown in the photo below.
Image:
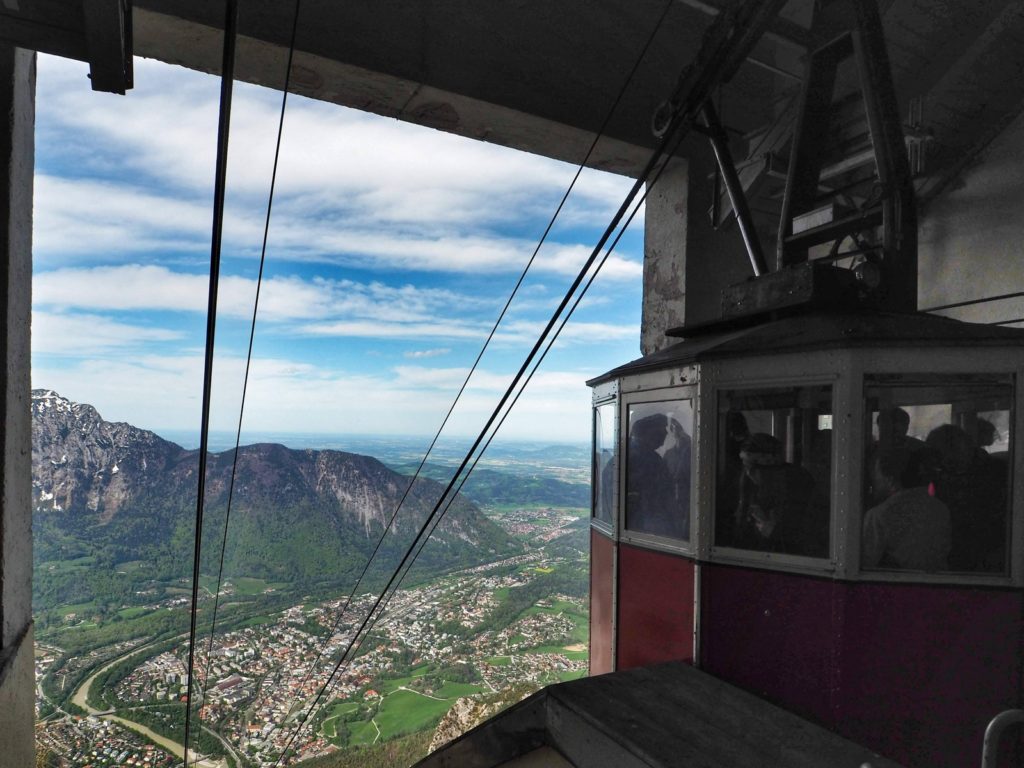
(89, 742)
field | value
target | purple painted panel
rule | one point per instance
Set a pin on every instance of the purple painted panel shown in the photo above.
(924, 669)
(912, 671)
(770, 633)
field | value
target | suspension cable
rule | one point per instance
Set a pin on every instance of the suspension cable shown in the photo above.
(679, 117)
(508, 411)
(252, 335)
(550, 225)
(220, 184)
(351, 652)
(972, 302)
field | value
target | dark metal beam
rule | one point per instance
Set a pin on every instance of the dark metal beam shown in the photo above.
(781, 30)
(108, 36)
(726, 44)
(738, 199)
(95, 31)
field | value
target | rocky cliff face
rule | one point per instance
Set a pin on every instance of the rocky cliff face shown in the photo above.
(468, 712)
(81, 463)
(124, 492)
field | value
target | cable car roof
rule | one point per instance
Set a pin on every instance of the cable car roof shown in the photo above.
(822, 330)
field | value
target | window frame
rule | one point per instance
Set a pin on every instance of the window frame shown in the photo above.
(610, 399)
(679, 392)
(828, 565)
(890, 362)
(605, 395)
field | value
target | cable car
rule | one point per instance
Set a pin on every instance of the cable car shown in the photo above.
(816, 498)
(821, 510)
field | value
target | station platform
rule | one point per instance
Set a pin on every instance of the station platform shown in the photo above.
(661, 716)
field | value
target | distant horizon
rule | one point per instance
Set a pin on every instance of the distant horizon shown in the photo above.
(224, 439)
(227, 438)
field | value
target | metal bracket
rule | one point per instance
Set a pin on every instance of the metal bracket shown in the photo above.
(108, 38)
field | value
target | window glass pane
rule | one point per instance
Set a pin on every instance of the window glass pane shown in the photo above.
(937, 473)
(604, 462)
(774, 470)
(658, 468)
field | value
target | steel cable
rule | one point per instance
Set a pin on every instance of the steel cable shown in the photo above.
(220, 184)
(669, 136)
(582, 165)
(465, 477)
(252, 335)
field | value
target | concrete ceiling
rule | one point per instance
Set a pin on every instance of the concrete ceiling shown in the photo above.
(541, 76)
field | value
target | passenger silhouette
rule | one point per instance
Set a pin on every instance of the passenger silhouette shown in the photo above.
(908, 529)
(730, 478)
(779, 509)
(650, 498)
(973, 486)
(677, 458)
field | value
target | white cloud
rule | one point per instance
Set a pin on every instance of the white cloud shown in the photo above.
(352, 189)
(575, 330)
(123, 209)
(80, 334)
(79, 220)
(150, 287)
(74, 216)
(420, 354)
(374, 329)
(382, 167)
(290, 306)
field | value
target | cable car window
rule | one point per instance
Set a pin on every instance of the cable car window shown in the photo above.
(658, 468)
(774, 470)
(604, 462)
(937, 473)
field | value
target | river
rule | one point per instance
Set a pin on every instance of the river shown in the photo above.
(81, 699)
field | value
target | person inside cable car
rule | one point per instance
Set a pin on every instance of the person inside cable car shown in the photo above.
(987, 434)
(779, 508)
(908, 529)
(973, 485)
(893, 425)
(730, 476)
(650, 494)
(677, 458)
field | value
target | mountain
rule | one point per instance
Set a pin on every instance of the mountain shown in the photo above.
(112, 501)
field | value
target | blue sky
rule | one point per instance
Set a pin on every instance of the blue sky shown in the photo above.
(392, 249)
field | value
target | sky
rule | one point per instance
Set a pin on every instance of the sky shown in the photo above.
(391, 251)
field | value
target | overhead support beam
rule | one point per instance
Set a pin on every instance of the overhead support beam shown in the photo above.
(179, 41)
(780, 30)
(737, 197)
(726, 44)
(98, 32)
(108, 37)
(47, 26)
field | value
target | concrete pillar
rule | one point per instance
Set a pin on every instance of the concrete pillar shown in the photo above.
(665, 221)
(17, 689)
(687, 263)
